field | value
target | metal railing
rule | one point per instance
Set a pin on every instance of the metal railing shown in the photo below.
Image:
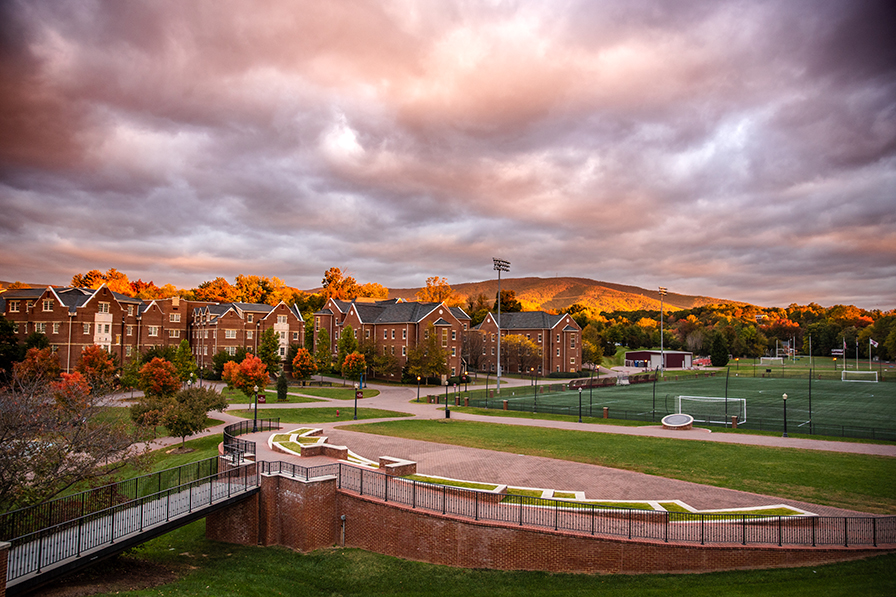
(75, 536)
(236, 448)
(591, 519)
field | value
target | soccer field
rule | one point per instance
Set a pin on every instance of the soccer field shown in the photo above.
(857, 409)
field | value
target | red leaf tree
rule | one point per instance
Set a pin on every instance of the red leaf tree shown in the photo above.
(98, 368)
(354, 365)
(246, 375)
(303, 366)
(158, 378)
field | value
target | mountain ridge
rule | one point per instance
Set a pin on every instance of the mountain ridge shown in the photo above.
(555, 294)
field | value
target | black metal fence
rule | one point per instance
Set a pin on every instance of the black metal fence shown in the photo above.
(75, 525)
(236, 448)
(561, 515)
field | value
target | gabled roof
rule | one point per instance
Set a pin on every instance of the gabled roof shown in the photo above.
(530, 320)
(253, 307)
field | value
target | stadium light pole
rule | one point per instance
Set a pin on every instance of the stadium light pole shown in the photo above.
(662, 292)
(501, 265)
(785, 415)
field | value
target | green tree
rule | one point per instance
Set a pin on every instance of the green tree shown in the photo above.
(9, 347)
(220, 358)
(509, 304)
(323, 356)
(36, 340)
(347, 344)
(718, 354)
(184, 361)
(186, 413)
(428, 359)
(130, 375)
(282, 387)
(269, 350)
(166, 353)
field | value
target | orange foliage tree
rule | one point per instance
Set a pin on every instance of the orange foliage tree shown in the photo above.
(40, 365)
(246, 375)
(158, 378)
(354, 365)
(97, 368)
(303, 365)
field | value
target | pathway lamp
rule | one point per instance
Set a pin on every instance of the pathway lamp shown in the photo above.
(447, 408)
(580, 405)
(535, 403)
(255, 418)
(418, 388)
(357, 391)
(785, 415)
(487, 373)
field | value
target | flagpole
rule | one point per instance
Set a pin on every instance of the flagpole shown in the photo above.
(869, 354)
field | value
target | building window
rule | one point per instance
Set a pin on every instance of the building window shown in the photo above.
(56, 328)
(393, 350)
(13, 306)
(316, 324)
(130, 330)
(174, 318)
(539, 338)
(106, 329)
(426, 334)
(404, 334)
(231, 350)
(130, 310)
(283, 336)
(355, 334)
(385, 334)
(174, 333)
(127, 350)
(572, 341)
(493, 337)
(101, 307)
(453, 371)
(393, 333)
(249, 318)
(295, 336)
(86, 328)
(15, 327)
(444, 338)
(230, 334)
(453, 351)
(558, 352)
(48, 304)
(281, 319)
(250, 334)
(404, 351)
(483, 349)
(572, 361)
(367, 334)
(454, 334)
(153, 330)
(282, 351)
(558, 338)
(493, 351)
(40, 327)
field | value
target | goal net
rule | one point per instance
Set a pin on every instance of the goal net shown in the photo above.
(858, 376)
(713, 409)
(771, 360)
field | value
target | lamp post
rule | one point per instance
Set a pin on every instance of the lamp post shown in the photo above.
(501, 265)
(580, 405)
(447, 408)
(418, 388)
(785, 415)
(737, 363)
(487, 373)
(591, 389)
(662, 292)
(255, 418)
(535, 401)
(357, 386)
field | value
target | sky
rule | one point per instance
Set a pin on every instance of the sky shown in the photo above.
(739, 150)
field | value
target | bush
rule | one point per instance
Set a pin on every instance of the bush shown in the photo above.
(563, 375)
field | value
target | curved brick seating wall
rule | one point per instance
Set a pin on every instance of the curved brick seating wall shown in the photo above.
(305, 515)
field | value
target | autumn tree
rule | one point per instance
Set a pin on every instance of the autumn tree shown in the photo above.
(269, 350)
(509, 304)
(39, 367)
(218, 290)
(519, 353)
(55, 435)
(436, 290)
(354, 365)
(159, 378)
(222, 357)
(337, 285)
(428, 359)
(303, 365)
(473, 341)
(373, 290)
(10, 351)
(92, 279)
(244, 376)
(114, 280)
(98, 368)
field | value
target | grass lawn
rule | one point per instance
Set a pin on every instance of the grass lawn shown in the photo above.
(318, 415)
(335, 393)
(237, 397)
(211, 568)
(853, 481)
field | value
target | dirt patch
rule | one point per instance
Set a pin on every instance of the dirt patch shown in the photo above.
(180, 450)
(113, 575)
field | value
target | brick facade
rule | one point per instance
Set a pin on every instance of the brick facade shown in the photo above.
(558, 336)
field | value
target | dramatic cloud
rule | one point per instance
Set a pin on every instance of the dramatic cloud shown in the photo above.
(743, 150)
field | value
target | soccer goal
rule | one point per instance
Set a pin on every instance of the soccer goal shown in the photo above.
(858, 376)
(713, 409)
(771, 361)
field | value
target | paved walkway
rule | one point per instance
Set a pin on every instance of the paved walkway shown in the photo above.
(531, 471)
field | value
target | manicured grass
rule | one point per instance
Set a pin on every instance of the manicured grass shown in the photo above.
(213, 569)
(860, 482)
(318, 415)
(440, 481)
(335, 393)
(237, 397)
(499, 412)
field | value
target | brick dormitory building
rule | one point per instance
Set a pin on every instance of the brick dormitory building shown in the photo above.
(74, 318)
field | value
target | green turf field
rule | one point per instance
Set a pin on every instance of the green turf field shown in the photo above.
(856, 409)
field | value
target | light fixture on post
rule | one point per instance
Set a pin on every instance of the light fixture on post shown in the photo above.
(662, 292)
(785, 415)
(357, 391)
(255, 418)
(501, 265)
(535, 400)
(580, 404)
(418, 388)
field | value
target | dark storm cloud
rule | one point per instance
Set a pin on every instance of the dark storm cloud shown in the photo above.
(741, 150)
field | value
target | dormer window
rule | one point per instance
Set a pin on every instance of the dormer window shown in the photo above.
(48, 304)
